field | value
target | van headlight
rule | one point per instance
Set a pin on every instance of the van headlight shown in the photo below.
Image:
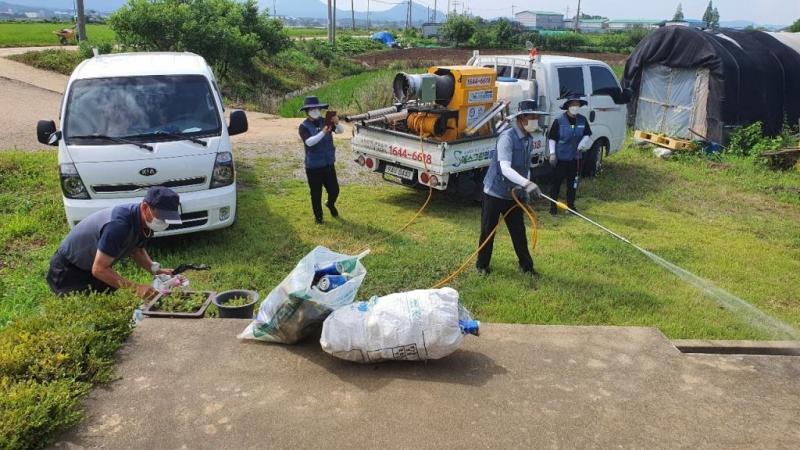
(223, 173)
(71, 183)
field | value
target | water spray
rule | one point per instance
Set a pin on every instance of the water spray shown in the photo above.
(736, 305)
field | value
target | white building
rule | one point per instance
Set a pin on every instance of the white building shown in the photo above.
(430, 29)
(587, 25)
(627, 24)
(541, 20)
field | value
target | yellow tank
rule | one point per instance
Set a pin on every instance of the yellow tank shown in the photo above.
(474, 93)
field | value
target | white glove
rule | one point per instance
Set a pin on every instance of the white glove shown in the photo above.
(585, 144)
(533, 190)
(551, 145)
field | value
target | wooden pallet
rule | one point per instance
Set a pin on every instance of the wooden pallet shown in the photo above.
(661, 140)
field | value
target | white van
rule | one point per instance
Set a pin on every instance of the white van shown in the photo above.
(134, 120)
(550, 77)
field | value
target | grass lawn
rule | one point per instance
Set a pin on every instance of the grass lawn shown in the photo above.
(734, 226)
(41, 34)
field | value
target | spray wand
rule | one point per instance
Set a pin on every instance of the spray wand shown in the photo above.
(567, 208)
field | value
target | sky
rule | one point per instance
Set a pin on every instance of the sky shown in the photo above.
(778, 12)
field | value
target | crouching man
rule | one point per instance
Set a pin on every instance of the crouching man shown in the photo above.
(84, 260)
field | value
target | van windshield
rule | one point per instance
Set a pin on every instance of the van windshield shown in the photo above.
(141, 107)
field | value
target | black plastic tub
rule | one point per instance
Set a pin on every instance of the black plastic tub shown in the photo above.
(235, 312)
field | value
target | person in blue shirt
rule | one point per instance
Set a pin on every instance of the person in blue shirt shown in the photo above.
(569, 137)
(320, 156)
(509, 168)
(84, 260)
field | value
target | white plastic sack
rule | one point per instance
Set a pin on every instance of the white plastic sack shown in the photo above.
(415, 325)
(293, 310)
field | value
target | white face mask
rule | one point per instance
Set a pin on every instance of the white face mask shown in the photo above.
(157, 224)
(574, 110)
(532, 126)
(314, 113)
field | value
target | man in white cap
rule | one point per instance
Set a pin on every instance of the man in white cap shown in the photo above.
(509, 169)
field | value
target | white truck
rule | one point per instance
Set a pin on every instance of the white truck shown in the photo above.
(131, 121)
(459, 166)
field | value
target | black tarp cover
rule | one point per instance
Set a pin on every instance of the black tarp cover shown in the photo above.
(756, 80)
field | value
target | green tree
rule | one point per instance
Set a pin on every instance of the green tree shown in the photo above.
(503, 34)
(708, 16)
(795, 27)
(678, 13)
(715, 19)
(458, 28)
(227, 33)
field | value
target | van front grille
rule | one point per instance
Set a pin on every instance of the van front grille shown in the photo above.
(135, 187)
(191, 219)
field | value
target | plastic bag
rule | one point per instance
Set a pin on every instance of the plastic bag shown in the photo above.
(165, 283)
(294, 309)
(415, 325)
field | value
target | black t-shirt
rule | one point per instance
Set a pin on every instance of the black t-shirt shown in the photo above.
(554, 129)
(304, 133)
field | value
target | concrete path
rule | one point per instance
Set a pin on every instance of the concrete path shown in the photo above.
(29, 94)
(192, 384)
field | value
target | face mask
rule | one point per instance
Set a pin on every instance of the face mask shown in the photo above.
(532, 126)
(574, 110)
(314, 113)
(157, 224)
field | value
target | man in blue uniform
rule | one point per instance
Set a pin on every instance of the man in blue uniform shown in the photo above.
(84, 260)
(568, 139)
(320, 156)
(509, 169)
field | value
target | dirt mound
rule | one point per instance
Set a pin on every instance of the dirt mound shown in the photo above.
(423, 57)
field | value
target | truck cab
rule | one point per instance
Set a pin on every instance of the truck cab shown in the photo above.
(549, 78)
(132, 121)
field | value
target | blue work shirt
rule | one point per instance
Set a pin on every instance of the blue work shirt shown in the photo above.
(323, 153)
(114, 231)
(513, 145)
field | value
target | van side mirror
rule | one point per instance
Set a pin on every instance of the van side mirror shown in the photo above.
(624, 97)
(627, 95)
(238, 122)
(46, 132)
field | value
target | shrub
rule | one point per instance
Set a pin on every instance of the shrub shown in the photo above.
(48, 362)
(750, 141)
(227, 33)
(86, 48)
(458, 28)
(56, 60)
(31, 411)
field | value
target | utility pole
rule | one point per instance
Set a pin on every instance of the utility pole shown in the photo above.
(353, 15)
(512, 12)
(447, 16)
(334, 23)
(578, 17)
(274, 9)
(81, 21)
(330, 23)
(368, 25)
(434, 11)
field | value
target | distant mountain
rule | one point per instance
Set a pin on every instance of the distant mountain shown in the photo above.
(312, 9)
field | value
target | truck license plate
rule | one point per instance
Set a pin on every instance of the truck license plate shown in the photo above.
(400, 172)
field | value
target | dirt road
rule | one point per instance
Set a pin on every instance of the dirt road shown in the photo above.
(30, 94)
